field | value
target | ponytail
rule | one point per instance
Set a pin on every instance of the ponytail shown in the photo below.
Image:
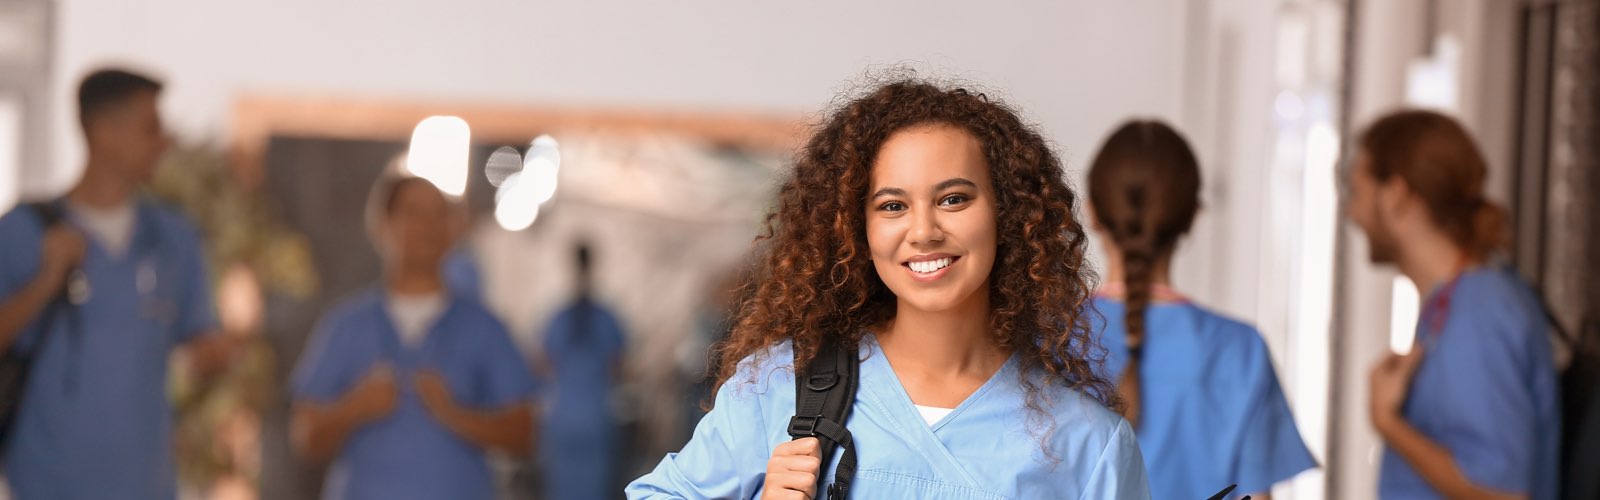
(1138, 270)
(1145, 187)
(1488, 232)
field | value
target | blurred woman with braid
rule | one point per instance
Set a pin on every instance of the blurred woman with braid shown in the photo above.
(1199, 387)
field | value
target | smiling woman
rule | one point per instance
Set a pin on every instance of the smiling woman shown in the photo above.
(930, 230)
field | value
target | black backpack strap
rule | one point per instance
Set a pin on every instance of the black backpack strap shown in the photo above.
(824, 393)
(15, 362)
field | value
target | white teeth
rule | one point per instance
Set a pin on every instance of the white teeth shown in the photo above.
(930, 265)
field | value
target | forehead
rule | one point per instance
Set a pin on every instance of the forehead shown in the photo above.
(929, 154)
(139, 105)
(417, 192)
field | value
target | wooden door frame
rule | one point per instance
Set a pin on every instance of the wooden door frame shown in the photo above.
(259, 117)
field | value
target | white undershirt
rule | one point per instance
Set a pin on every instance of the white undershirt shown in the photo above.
(931, 414)
(414, 314)
(112, 227)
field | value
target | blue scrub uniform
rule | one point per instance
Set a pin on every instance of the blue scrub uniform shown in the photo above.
(989, 447)
(461, 274)
(1212, 413)
(409, 454)
(1485, 390)
(579, 444)
(95, 421)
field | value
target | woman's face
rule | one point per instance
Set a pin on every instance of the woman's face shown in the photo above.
(418, 225)
(930, 214)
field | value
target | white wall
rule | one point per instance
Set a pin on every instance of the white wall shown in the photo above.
(1076, 67)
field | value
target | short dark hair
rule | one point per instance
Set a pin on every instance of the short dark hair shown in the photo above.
(106, 88)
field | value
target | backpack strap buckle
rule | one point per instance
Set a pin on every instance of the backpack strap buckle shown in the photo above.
(803, 426)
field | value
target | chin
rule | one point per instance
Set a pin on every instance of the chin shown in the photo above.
(933, 301)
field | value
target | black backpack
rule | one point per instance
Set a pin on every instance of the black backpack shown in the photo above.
(17, 362)
(824, 393)
(1580, 403)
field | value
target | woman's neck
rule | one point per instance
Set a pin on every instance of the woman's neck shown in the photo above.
(951, 342)
(1161, 274)
(415, 282)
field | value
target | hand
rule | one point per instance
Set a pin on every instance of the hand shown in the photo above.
(1390, 382)
(435, 394)
(792, 470)
(375, 395)
(61, 250)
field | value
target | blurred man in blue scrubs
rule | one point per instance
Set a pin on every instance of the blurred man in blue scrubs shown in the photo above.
(99, 301)
(409, 386)
(1472, 410)
(583, 348)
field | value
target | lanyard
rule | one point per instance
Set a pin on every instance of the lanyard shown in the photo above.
(1437, 309)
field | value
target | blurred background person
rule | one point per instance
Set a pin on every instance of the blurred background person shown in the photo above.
(99, 301)
(1472, 411)
(409, 386)
(583, 349)
(1199, 387)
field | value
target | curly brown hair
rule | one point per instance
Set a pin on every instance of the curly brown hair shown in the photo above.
(813, 280)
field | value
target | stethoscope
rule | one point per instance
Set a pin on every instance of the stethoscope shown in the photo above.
(79, 291)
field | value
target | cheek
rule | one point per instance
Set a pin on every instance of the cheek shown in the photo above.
(981, 231)
(1360, 208)
(883, 238)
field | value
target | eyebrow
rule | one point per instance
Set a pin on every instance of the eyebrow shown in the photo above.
(946, 184)
(888, 191)
(950, 183)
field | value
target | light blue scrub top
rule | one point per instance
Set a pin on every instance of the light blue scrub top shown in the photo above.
(1212, 413)
(409, 454)
(1486, 390)
(989, 447)
(95, 420)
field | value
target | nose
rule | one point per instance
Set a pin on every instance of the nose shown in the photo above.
(925, 228)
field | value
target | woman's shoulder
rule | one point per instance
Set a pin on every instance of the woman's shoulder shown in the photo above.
(475, 312)
(353, 307)
(1083, 427)
(351, 317)
(1065, 405)
(1230, 336)
(1074, 405)
(763, 371)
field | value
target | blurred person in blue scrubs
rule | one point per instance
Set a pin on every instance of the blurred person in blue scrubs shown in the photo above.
(100, 301)
(583, 348)
(1199, 387)
(408, 387)
(1472, 410)
(931, 232)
